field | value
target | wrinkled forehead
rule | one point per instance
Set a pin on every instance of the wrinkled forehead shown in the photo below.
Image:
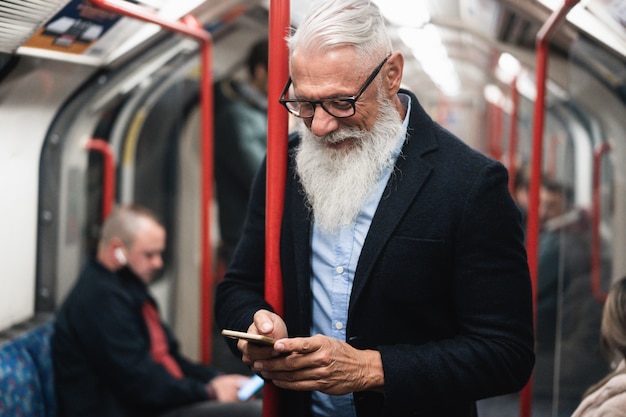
(329, 61)
(324, 74)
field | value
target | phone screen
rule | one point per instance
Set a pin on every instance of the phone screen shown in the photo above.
(250, 388)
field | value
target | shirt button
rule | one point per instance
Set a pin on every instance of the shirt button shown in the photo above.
(339, 269)
(339, 325)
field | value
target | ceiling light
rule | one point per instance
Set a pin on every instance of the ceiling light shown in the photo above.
(404, 13)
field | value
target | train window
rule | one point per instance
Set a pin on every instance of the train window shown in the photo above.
(95, 173)
(4, 58)
(576, 251)
(7, 61)
(156, 164)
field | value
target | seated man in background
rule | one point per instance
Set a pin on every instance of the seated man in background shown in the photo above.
(112, 355)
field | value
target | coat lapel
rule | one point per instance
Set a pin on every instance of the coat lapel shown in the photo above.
(302, 252)
(410, 173)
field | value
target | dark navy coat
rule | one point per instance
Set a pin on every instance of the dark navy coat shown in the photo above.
(441, 290)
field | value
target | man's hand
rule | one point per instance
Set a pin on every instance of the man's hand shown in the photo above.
(226, 387)
(321, 363)
(268, 324)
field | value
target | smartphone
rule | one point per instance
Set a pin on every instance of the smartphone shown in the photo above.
(250, 388)
(252, 338)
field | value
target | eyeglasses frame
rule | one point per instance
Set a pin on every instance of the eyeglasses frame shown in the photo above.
(351, 99)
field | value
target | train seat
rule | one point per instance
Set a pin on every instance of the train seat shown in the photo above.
(26, 378)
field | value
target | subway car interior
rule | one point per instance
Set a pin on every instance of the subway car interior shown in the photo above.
(105, 102)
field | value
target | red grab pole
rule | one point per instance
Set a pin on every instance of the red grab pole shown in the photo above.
(496, 131)
(596, 213)
(190, 26)
(108, 181)
(277, 133)
(513, 136)
(532, 237)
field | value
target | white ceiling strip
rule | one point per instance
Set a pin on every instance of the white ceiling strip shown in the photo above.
(20, 19)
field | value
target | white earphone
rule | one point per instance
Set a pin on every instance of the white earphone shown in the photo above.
(119, 255)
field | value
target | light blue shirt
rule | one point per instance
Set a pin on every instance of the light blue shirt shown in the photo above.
(334, 260)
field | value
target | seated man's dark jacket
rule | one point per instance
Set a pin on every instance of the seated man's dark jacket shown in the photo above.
(101, 352)
(442, 288)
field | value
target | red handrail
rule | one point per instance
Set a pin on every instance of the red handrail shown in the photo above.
(190, 26)
(596, 286)
(513, 135)
(108, 177)
(495, 131)
(277, 133)
(532, 236)
(490, 129)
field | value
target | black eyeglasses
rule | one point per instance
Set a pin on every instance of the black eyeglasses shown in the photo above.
(339, 107)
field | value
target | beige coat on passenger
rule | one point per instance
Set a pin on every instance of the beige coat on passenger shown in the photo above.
(607, 401)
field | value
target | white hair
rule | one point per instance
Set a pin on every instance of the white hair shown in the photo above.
(336, 23)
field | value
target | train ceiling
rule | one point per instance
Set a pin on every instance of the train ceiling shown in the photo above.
(466, 31)
(75, 30)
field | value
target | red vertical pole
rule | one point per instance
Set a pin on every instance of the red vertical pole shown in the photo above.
(491, 132)
(497, 133)
(206, 107)
(108, 181)
(443, 110)
(494, 123)
(190, 26)
(596, 213)
(513, 135)
(279, 26)
(532, 237)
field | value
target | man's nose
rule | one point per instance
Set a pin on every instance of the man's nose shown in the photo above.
(322, 122)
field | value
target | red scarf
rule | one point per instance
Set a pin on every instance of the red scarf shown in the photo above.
(159, 348)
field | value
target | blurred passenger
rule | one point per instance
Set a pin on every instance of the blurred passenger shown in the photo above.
(568, 316)
(608, 396)
(564, 254)
(240, 143)
(554, 199)
(112, 354)
(406, 285)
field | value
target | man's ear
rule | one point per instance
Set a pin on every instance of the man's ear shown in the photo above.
(393, 73)
(118, 252)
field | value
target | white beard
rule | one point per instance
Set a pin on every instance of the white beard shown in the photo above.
(337, 182)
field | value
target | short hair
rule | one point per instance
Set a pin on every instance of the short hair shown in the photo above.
(258, 55)
(522, 177)
(555, 187)
(125, 222)
(336, 23)
(613, 329)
